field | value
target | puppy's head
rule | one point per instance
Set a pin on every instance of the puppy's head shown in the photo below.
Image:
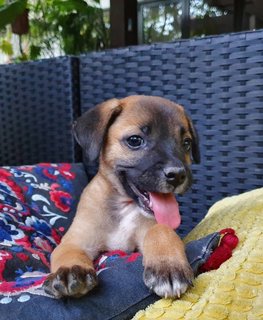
(148, 143)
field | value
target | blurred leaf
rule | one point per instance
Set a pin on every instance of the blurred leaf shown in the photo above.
(6, 47)
(35, 52)
(23, 57)
(71, 5)
(8, 13)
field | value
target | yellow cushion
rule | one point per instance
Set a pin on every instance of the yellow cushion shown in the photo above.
(235, 290)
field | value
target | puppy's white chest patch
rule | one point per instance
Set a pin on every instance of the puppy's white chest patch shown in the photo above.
(122, 237)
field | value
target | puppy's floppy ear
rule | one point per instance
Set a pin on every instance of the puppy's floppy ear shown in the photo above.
(195, 142)
(91, 128)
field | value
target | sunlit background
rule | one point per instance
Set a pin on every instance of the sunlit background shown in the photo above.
(34, 29)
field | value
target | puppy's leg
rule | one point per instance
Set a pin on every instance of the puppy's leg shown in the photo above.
(166, 269)
(72, 270)
(72, 274)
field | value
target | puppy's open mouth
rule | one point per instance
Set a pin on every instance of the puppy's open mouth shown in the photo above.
(163, 206)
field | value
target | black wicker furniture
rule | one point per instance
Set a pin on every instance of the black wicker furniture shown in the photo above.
(217, 79)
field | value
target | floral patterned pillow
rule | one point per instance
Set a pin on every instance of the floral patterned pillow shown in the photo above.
(37, 204)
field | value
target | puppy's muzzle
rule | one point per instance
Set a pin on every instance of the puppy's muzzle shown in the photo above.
(175, 175)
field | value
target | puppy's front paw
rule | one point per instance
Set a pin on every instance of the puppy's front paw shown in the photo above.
(167, 279)
(74, 282)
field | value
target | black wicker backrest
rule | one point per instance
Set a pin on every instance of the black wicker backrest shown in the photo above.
(219, 80)
(37, 105)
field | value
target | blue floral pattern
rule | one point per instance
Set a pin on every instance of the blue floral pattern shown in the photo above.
(37, 204)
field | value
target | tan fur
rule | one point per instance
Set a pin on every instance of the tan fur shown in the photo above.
(95, 228)
(157, 243)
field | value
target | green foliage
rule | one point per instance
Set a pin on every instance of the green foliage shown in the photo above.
(6, 47)
(161, 22)
(35, 52)
(60, 27)
(9, 12)
(162, 19)
(77, 26)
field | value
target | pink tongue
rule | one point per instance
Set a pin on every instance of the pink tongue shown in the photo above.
(166, 209)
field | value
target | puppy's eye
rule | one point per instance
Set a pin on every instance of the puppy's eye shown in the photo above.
(187, 144)
(135, 142)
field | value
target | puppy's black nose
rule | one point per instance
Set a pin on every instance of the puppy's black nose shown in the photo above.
(175, 175)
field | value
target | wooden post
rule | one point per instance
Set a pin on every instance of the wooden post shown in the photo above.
(124, 25)
(185, 25)
(239, 6)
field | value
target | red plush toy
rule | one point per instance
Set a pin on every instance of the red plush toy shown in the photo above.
(223, 252)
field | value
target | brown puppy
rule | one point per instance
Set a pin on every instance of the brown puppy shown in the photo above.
(145, 146)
